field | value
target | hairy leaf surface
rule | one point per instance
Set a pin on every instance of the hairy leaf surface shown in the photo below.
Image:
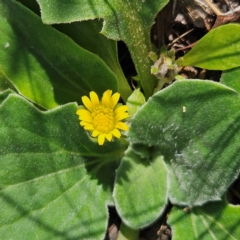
(217, 220)
(140, 190)
(55, 181)
(45, 65)
(195, 125)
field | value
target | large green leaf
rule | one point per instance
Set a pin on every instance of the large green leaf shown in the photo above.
(213, 221)
(140, 190)
(129, 21)
(45, 65)
(87, 35)
(217, 50)
(195, 124)
(55, 181)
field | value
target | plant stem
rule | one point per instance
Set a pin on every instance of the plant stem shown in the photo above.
(136, 36)
(139, 48)
(215, 9)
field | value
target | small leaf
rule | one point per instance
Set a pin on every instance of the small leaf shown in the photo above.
(217, 220)
(195, 125)
(55, 181)
(140, 190)
(231, 78)
(153, 56)
(135, 101)
(45, 65)
(217, 50)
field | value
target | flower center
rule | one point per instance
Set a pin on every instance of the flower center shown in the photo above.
(103, 119)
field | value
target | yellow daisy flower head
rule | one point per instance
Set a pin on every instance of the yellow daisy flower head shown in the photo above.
(103, 118)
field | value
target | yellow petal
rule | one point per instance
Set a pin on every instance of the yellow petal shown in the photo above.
(116, 133)
(88, 127)
(87, 102)
(122, 108)
(82, 111)
(95, 133)
(82, 123)
(121, 116)
(94, 98)
(114, 100)
(106, 98)
(122, 126)
(109, 137)
(101, 138)
(86, 118)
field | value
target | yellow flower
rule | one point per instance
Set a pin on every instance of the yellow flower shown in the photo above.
(103, 118)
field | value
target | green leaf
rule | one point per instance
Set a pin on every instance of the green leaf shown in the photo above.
(5, 83)
(87, 35)
(231, 78)
(195, 125)
(217, 50)
(213, 221)
(140, 190)
(128, 21)
(45, 65)
(55, 181)
(135, 101)
(5, 94)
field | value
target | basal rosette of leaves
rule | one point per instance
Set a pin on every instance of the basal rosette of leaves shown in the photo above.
(183, 145)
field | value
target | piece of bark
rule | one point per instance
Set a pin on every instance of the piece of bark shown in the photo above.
(198, 12)
(231, 16)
